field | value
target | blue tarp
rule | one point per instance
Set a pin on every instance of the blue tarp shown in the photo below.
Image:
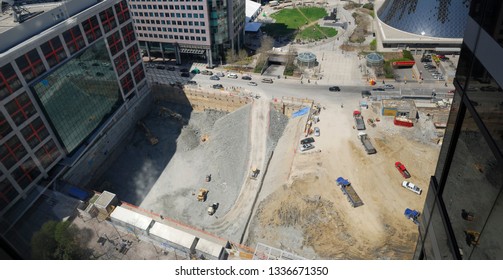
(78, 193)
(300, 112)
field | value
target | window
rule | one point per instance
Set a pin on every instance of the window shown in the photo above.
(128, 34)
(47, 154)
(30, 65)
(121, 64)
(92, 29)
(4, 126)
(138, 73)
(9, 82)
(74, 39)
(20, 108)
(115, 43)
(108, 20)
(11, 152)
(127, 84)
(7, 193)
(35, 133)
(53, 51)
(122, 11)
(26, 173)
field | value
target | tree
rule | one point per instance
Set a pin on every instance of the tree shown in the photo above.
(57, 241)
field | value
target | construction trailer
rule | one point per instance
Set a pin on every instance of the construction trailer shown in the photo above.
(131, 221)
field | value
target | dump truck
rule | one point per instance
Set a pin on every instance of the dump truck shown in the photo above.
(359, 121)
(412, 215)
(349, 192)
(201, 196)
(401, 168)
(366, 143)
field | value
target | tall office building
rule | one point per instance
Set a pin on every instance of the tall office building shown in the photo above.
(464, 207)
(69, 72)
(189, 29)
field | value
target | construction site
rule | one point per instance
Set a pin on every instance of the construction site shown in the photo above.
(226, 166)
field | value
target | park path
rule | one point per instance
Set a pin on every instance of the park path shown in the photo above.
(311, 23)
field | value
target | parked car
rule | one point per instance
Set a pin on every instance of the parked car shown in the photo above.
(307, 140)
(316, 131)
(206, 72)
(378, 89)
(214, 78)
(160, 67)
(170, 68)
(184, 70)
(267, 80)
(246, 77)
(366, 93)
(232, 75)
(411, 187)
(334, 88)
(193, 83)
(306, 147)
(185, 74)
(218, 86)
(388, 86)
(252, 84)
(220, 74)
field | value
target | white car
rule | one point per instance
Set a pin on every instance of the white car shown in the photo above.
(232, 76)
(316, 131)
(305, 147)
(411, 187)
(388, 86)
(252, 84)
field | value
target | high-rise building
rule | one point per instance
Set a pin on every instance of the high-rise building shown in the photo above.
(69, 72)
(189, 30)
(464, 206)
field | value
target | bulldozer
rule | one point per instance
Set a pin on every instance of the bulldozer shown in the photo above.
(201, 196)
(254, 173)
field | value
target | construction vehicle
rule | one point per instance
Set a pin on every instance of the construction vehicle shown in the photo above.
(151, 138)
(412, 215)
(366, 143)
(360, 123)
(254, 173)
(472, 237)
(468, 216)
(203, 193)
(371, 122)
(208, 177)
(212, 209)
(401, 168)
(349, 192)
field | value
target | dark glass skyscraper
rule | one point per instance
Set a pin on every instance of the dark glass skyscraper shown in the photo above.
(463, 212)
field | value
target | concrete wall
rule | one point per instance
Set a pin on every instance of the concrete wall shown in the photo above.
(288, 105)
(200, 99)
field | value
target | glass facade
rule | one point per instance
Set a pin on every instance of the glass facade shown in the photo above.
(463, 209)
(435, 18)
(80, 95)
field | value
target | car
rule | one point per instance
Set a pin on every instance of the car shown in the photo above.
(220, 74)
(316, 131)
(307, 140)
(195, 71)
(218, 86)
(232, 76)
(366, 93)
(411, 187)
(206, 72)
(389, 86)
(305, 147)
(170, 68)
(210, 67)
(267, 80)
(214, 78)
(160, 67)
(185, 74)
(193, 83)
(252, 84)
(378, 89)
(334, 88)
(246, 77)
(184, 70)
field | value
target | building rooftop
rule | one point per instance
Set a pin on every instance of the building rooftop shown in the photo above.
(7, 17)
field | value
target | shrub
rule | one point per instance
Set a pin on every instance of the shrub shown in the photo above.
(407, 55)
(369, 6)
(373, 45)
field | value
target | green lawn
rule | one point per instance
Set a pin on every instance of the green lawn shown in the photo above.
(289, 20)
(314, 33)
